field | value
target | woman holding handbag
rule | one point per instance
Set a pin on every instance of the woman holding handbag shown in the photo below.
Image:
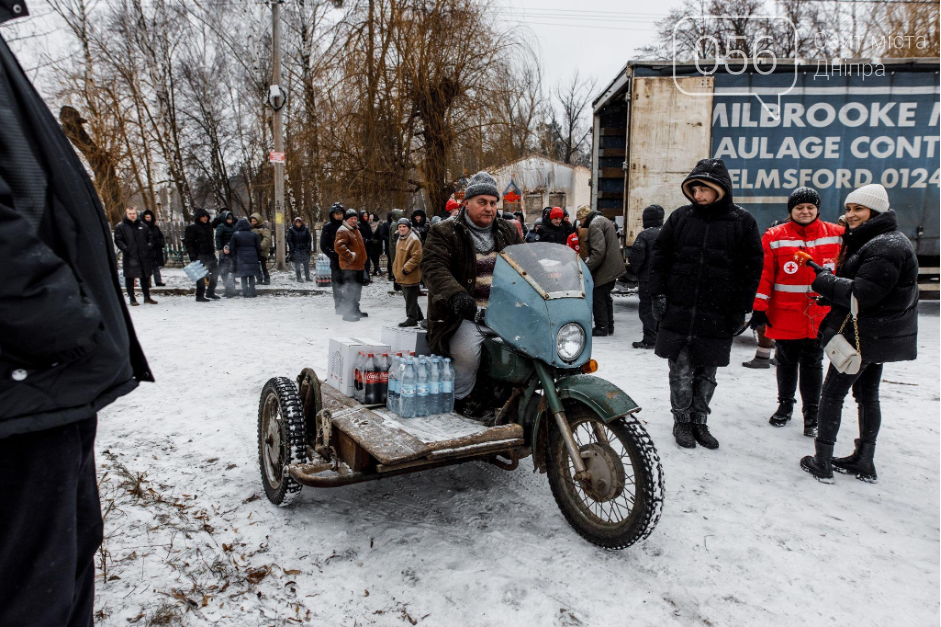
(873, 320)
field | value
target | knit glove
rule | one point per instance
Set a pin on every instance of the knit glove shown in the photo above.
(757, 319)
(659, 307)
(463, 305)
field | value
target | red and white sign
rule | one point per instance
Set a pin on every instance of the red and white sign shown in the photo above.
(276, 157)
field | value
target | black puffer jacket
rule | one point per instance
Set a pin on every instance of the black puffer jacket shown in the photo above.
(134, 240)
(421, 227)
(245, 248)
(879, 267)
(707, 262)
(299, 239)
(225, 229)
(327, 236)
(643, 243)
(158, 242)
(198, 237)
(67, 344)
(552, 234)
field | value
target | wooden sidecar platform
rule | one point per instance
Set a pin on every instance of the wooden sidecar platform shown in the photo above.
(370, 442)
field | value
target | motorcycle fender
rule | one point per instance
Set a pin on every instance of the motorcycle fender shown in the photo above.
(601, 396)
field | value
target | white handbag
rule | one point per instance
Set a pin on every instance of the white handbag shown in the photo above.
(842, 355)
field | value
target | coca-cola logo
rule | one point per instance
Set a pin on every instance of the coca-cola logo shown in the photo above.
(372, 377)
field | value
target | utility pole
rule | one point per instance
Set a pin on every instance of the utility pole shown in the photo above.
(276, 101)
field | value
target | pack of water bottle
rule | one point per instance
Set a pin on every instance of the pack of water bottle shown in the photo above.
(322, 274)
(420, 385)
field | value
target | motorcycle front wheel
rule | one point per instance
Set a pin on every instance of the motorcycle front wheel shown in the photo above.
(621, 502)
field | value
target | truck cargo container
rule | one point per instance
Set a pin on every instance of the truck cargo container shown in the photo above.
(798, 123)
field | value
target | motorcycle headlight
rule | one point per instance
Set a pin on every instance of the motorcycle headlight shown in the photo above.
(570, 341)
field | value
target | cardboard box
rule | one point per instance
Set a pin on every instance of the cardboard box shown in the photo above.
(406, 340)
(341, 357)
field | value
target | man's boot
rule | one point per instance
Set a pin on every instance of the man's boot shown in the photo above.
(150, 301)
(702, 435)
(760, 363)
(783, 415)
(860, 463)
(810, 421)
(133, 302)
(820, 464)
(683, 432)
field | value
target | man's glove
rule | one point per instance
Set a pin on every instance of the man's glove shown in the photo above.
(463, 305)
(758, 318)
(659, 307)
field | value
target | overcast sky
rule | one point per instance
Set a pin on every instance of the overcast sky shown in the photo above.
(595, 37)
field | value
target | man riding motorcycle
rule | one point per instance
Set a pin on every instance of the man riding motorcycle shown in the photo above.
(457, 268)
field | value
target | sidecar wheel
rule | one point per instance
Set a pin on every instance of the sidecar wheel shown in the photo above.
(281, 439)
(623, 502)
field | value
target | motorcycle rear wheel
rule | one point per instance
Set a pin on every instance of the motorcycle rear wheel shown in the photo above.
(624, 504)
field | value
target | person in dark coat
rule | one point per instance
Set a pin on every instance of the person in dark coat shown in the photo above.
(224, 231)
(640, 265)
(300, 244)
(535, 233)
(606, 264)
(158, 254)
(555, 230)
(68, 350)
(420, 224)
(382, 245)
(376, 247)
(365, 229)
(135, 241)
(245, 248)
(878, 268)
(199, 243)
(328, 234)
(457, 267)
(704, 272)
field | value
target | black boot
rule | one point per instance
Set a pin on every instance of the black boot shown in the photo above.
(783, 415)
(820, 464)
(810, 421)
(860, 463)
(683, 432)
(702, 435)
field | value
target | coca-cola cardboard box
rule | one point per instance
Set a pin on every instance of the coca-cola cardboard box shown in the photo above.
(341, 356)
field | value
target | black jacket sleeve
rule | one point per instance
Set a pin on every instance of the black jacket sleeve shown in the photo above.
(749, 261)
(45, 317)
(120, 239)
(875, 279)
(189, 241)
(639, 253)
(661, 257)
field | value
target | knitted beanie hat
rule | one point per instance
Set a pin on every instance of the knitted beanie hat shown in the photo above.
(350, 213)
(451, 205)
(480, 184)
(802, 195)
(873, 196)
(404, 221)
(556, 213)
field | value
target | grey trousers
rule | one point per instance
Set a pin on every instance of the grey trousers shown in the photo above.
(465, 356)
(691, 389)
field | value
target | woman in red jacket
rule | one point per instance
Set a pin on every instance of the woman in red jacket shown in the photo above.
(786, 304)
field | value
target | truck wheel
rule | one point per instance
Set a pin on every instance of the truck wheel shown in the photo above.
(622, 501)
(281, 439)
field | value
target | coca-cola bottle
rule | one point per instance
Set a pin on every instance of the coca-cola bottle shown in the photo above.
(384, 366)
(371, 381)
(358, 366)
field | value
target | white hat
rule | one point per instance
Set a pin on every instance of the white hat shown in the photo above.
(873, 196)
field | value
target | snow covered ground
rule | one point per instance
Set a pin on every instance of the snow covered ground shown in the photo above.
(746, 537)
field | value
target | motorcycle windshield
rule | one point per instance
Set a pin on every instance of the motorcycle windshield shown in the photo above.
(554, 271)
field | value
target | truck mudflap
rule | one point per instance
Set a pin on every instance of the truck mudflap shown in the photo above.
(603, 397)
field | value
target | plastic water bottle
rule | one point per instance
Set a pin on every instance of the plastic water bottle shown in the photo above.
(434, 386)
(408, 390)
(392, 395)
(447, 385)
(422, 390)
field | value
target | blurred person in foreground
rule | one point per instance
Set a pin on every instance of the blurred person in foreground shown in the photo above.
(68, 350)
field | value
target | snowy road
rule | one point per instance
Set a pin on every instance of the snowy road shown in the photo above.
(746, 537)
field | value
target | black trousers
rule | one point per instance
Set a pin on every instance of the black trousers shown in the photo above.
(212, 278)
(865, 385)
(645, 312)
(800, 360)
(375, 251)
(50, 526)
(602, 306)
(264, 276)
(144, 287)
(412, 308)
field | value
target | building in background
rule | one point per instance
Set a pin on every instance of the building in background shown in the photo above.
(534, 182)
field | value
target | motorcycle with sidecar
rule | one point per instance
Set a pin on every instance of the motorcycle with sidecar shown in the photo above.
(581, 430)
